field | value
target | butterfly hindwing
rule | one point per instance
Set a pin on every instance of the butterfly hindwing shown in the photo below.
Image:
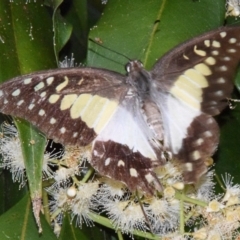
(126, 151)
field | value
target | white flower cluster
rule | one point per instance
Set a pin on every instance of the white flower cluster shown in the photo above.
(88, 197)
(233, 8)
(67, 62)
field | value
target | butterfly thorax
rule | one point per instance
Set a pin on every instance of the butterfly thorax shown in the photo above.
(140, 81)
(138, 78)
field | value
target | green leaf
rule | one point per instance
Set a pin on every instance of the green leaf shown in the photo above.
(70, 230)
(146, 30)
(10, 192)
(229, 151)
(26, 46)
(33, 147)
(19, 223)
(25, 37)
(61, 28)
(78, 17)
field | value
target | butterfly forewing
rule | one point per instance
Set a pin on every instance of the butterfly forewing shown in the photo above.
(200, 72)
(56, 100)
(132, 121)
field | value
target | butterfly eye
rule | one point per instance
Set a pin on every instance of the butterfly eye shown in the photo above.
(134, 65)
(128, 67)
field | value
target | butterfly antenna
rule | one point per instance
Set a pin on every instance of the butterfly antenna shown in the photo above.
(109, 49)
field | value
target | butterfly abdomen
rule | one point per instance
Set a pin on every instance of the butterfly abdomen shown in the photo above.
(152, 115)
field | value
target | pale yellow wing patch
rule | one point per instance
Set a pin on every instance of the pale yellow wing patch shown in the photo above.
(188, 87)
(94, 110)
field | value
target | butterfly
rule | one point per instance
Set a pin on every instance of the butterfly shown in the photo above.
(132, 121)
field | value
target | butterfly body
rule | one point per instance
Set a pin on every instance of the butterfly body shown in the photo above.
(132, 121)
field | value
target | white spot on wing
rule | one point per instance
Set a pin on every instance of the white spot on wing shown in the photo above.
(52, 120)
(207, 43)
(199, 142)
(20, 102)
(223, 68)
(16, 92)
(75, 134)
(39, 86)
(207, 134)
(149, 177)
(218, 93)
(216, 44)
(27, 80)
(232, 40)
(41, 112)
(215, 52)
(133, 172)
(31, 106)
(121, 163)
(107, 161)
(221, 80)
(63, 130)
(49, 80)
(188, 167)
(210, 121)
(226, 58)
(223, 34)
(196, 155)
(231, 50)
(43, 94)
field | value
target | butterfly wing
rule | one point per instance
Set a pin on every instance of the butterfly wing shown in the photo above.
(82, 106)
(126, 149)
(55, 100)
(194, 80)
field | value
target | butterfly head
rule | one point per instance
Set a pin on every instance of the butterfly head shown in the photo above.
(133, 66)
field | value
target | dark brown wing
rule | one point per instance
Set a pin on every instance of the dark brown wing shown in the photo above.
(64, 103)
(82, 106)
(201, 70)
(191, 84)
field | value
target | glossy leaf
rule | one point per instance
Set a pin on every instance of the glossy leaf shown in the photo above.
(77, 15)
(19, 223)
(26, 34)
(62, 29)
(149, 29)
(10, 192)
(70, 230)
